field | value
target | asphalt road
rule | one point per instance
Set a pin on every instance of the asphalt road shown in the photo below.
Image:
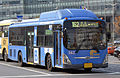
(12, 70)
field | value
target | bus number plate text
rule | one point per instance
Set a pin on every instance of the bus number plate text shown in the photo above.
(88, 65)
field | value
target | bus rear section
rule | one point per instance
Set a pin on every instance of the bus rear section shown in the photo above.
(4, 39)
(85, 44)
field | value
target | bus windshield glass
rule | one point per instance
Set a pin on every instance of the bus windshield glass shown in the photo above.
(84, 35)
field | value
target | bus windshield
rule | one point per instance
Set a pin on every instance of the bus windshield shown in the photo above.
(84, 35)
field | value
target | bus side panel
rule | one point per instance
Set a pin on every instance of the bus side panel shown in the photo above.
(4, 44)
(42, 56)
(62, 49)
(0, 48)
(44, 51)
(52, 57)
(13, 53)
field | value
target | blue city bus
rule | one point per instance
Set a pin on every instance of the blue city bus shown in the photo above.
(66, 38)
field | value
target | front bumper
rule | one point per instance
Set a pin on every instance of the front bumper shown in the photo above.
(76, 66)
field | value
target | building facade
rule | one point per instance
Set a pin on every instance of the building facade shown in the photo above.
(33, 8)
(108, 9)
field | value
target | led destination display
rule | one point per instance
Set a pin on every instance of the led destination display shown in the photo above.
(85, 24)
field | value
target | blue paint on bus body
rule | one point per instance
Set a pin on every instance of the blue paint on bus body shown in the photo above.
(58, 17)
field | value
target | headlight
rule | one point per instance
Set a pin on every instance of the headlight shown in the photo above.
(66, 59)
(106, 59)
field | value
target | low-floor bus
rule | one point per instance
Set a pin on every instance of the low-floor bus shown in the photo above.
(68, 38)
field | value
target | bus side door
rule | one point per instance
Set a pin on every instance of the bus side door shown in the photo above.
(30, 41)
(57, 47)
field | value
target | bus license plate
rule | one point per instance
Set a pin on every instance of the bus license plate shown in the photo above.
(87, 65)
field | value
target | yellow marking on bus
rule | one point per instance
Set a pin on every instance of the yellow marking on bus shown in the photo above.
(5, 24)
(63, 58)
(29, 63)
(4, 44)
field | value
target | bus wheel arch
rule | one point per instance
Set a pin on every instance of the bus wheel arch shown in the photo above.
(20, 60)
(48, 62)
(4, 55)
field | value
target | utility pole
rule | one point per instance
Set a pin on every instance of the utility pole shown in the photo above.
(105, 11)
(113, 18)
(113, 5)
(87, 4)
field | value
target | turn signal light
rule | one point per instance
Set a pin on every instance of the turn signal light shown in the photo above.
(66, 18)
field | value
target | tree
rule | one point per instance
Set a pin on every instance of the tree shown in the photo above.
(117, 24)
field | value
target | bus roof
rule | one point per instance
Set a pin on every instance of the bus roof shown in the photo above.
(15, 21)
(69, 13)
(6, 22)
(56, 17)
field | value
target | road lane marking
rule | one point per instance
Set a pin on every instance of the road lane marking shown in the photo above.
(53, 75)
(114, 73)
(25, 69)
(50, 75)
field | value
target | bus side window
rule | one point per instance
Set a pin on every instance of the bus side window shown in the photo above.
(40, 36)
(44, 36)
(17, 36)
(5, 33)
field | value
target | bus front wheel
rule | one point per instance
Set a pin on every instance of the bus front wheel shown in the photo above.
(20, 61)
(49, 63)
(5, 57)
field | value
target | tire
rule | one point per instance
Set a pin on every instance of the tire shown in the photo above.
(20, 61)
(5, 56)
(49, 63)
(119, 56)
(115, 54)
(88, 69)
(111, 54)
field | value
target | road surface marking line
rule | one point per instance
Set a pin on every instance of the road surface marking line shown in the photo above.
(25, 69)
(52, 75)
(114, 73)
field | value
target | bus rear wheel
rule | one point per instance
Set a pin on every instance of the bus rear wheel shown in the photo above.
(20, 61)
(5, 56)
(49, 63)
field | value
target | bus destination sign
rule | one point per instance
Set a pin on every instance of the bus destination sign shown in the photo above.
(85, 24)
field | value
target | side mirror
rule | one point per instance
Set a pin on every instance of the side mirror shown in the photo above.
(108, 34)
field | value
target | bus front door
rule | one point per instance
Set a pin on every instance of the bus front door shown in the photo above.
(30, 39)
(57, 48)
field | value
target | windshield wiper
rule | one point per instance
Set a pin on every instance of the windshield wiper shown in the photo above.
(96, 48)
(79, 46)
